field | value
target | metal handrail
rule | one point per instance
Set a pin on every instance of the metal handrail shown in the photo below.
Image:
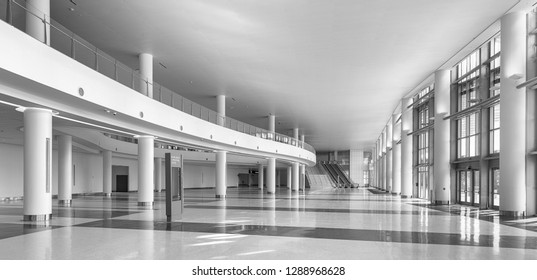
(98, 61)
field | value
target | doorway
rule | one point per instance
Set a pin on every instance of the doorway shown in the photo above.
(468, 187)
(122, 183)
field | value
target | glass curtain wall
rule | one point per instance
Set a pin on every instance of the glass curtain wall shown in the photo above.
(476, 88)
(424, 109)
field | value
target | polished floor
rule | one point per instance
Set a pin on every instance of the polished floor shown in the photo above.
(316, 224)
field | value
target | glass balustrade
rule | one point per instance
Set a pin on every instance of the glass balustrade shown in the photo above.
(68, 43)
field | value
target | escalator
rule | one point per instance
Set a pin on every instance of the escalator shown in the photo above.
(335, 176)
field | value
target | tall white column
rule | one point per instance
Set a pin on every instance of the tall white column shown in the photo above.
(295, 135)
(221, 174)
(389, 159)
(221, 110)
(146, 74)
(289, 177)
(296, 179)
(146, 151)
(37, 164)
(441, 167)
(272, 123)
(513, 116)
(385, 159)
(271, 176)
(260, 176)
(158, 174)
(107, 173)
(38, 10)
(396, 156)
(65, 169)
(406, 150)
(302, 179)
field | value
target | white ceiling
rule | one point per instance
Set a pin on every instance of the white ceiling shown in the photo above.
(335, 69)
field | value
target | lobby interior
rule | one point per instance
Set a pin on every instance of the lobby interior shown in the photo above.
(300, 130)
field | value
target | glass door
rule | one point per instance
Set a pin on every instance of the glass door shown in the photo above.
(423, 182)
(468, 185)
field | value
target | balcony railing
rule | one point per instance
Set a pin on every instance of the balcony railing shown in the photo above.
(68, 43)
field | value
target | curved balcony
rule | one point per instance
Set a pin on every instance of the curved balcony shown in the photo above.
(68, 43)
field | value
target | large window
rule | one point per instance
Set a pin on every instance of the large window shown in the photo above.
(468, 136)
(494, 134)
(424, 110)
(468, 132)
(494, 111)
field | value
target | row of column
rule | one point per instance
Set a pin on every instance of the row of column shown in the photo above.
(297, 171)
(393, 154)
(38, 145)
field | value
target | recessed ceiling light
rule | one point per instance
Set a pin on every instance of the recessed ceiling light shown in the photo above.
(71, 9)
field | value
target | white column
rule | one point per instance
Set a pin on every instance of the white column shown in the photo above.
(221, 110)
(38, 10)
(289, 177)
(271, 176)
(302, 179)
(65, 169)
(260, 176)
(37, 164)
(389, 159)
(158, 174)
(303, 140)
(107, 173)
(385, 159)
(146, 151)
(296, 180)
(441, 167)
(295, 135)
(221, 174)
(146, 74)
(513, 116)
(272, 123)
(406, 150)
(396, 156)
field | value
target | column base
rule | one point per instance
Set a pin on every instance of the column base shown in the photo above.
(37, 218)
(220, 196)
(64, 202)
(406, 196)
(145, 204)
(107, 194)
(513, 214)
(395, 193)
(441, 202)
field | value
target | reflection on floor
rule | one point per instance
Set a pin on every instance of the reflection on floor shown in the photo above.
(316, 224)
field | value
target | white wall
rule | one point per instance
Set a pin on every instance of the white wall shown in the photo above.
(203, 176)
(356, 166)
(88, 172)
(132, 164)
(11, 166)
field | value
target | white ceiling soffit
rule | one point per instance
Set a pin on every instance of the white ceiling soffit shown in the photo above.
(335, 69)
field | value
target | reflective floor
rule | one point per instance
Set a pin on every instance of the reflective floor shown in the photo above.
(317, 224)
